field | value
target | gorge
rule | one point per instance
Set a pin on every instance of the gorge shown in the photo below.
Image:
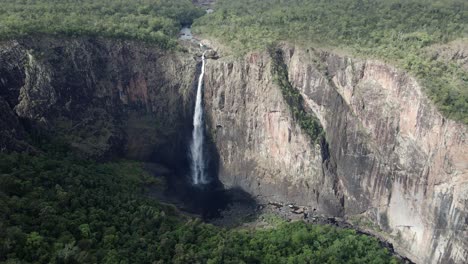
(202, 131)
(390, 162)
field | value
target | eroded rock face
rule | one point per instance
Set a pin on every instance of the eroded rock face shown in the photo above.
(395, 149)
(261, 147)
(392, 159)
(108, 98)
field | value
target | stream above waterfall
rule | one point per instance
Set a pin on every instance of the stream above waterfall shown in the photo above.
(186, 33)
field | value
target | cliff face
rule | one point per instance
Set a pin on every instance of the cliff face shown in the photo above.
(393, 149)
(261, 148)
(108, 98)
(392, 162)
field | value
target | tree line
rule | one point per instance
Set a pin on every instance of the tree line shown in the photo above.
(397, 31)
(155, 21)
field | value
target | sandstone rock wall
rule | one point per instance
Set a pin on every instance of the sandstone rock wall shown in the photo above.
(393, 163)
(400, 162)
(261, 148)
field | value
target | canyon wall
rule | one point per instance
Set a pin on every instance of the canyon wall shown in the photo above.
(391, 164)
(108, 98)
(393, 148)
(262, 149)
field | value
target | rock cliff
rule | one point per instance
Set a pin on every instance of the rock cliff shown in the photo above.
(390, 162)
(107, 98)
(399, 162)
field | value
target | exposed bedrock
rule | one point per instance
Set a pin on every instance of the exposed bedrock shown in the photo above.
(107, 98)
(399, 161)
(390, 163)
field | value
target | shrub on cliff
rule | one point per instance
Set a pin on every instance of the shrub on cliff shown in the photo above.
(308, 121)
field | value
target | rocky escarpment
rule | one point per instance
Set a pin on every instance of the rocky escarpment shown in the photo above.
(262, 148)
(107, 98)
(394, 149)
(391, 161)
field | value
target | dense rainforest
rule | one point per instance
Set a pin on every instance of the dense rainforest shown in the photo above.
(155, 21)
(404, 33)
(57, 208)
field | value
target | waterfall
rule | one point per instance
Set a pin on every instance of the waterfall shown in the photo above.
(196, 147)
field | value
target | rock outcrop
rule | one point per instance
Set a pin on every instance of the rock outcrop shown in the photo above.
(453, 52)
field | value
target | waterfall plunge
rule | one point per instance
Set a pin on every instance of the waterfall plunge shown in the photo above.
(198, 137)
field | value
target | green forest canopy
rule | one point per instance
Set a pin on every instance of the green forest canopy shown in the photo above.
(156, 21)
(59, 209)
(399, 31)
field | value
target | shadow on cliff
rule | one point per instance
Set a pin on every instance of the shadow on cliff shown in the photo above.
(208, 200)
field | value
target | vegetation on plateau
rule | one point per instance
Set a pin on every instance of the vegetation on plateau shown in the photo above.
(155, 21)
(56, 208)
(398, 31)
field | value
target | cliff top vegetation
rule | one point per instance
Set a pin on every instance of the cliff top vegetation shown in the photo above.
(398, 31)
(155, 21)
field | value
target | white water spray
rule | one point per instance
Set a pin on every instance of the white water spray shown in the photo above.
(198, 137)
